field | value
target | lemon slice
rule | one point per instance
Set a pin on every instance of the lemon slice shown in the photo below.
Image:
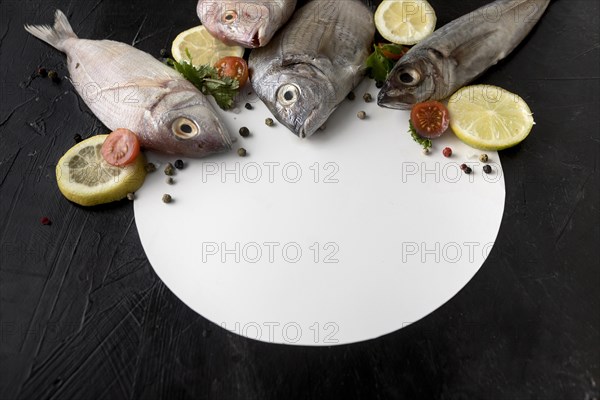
(405, 21)
(86, 179)
(202, 46)
(489, 118)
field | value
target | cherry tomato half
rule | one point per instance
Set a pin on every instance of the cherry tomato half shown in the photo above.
(121, 148)
(233, 67)
(430, 119)
(392, 51)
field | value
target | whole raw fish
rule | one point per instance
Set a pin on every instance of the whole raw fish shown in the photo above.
(312, 64)
(460, 51)
(249, 23)
(127, 88)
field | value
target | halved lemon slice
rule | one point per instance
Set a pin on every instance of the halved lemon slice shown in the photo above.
(203, 48)
(489, 118)
(405, 21)
(86, 179)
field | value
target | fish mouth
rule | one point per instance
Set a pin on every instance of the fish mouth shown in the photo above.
(391, 98)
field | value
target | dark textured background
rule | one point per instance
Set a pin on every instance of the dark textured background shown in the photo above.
(84, 316)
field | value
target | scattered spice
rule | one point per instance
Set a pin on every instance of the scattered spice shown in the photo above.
(77, 138)
(150, 167)
(130, 196)
(167, 198)
(242, 152)
(248, 106)
(45, 221)
(487, 169)
(463, 167)
(361, 115)
(41, 72)
(169, 170)
(351, 96)
(483, 158)
(447, 152)
(170, 180)
(53, 75)
(179, 164)
(244, 132)
(367, 97)
(468, 170)
(269, 122)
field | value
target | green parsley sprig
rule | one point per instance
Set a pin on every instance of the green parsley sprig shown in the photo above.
(379, 63)
(424, 142)
(208, 81)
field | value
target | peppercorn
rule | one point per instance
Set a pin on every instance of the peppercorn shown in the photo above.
(169, 180)
(269, 122)
(487, 169)
(463, 167)
(379, 84)
(244, 132)
(77, 138)
(130, 196)
(179, 164)
(53, 75)
(483, 158)
(248, 106)
(169, 170)
(468, 170)
(361, 115)
(367, 97)
(351, 96)
(150, 167)
(41, 72)
(167, 198)
(447, 152)
(45, 221)
(242, 152)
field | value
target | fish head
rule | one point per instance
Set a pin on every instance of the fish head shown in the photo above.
(301, 98)
(248, 23)
(413, 80)
(186, 124)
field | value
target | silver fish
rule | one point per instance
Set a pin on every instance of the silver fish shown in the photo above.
(312, 64)
(249, 23)
(459, 52)
(127, 88)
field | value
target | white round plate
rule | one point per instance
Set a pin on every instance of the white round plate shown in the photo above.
(345, 236)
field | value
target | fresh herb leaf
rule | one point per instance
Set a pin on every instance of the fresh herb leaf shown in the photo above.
(208, 81)
(378, 65)
(424, 142)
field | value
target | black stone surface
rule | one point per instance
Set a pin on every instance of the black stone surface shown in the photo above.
(83, 316)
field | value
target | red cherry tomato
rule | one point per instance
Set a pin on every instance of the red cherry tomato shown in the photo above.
(430, 118)
(121, 148)
(391, 51)
(233, 67)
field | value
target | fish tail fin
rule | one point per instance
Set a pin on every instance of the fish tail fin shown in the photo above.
(53, 35)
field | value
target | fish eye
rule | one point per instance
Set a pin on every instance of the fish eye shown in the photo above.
(288, 94)
(409, 77)
(185, 128)
(229, 17)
